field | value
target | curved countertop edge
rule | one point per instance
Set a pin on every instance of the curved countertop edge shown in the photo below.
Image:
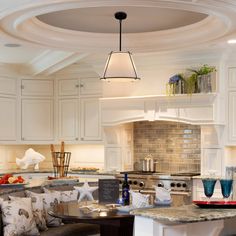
(184, 214)
(50, 171)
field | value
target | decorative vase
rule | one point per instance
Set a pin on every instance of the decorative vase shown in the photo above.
(206, 83)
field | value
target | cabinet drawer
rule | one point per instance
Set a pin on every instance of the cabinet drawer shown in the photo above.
(37, 87)
(7, 86)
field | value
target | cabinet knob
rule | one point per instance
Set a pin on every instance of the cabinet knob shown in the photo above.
(82, 138)
(77, 86)
(81, 85)
(23, 138)
(76, 139)
(22, 86)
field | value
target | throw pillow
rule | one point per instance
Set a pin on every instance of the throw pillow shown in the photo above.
(66, 196)
(38, 210)
(18, 217)
(49, 200)
(139, 200)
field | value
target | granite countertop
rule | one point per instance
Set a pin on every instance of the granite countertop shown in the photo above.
(185, 214)
(50, 171)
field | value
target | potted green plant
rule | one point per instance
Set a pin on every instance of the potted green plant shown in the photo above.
(204, 78)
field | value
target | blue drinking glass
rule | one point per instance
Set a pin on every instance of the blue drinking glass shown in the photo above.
(209, 185)
(226, 187)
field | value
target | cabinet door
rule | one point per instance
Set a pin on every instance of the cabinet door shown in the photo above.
(232, 117)
(68, 87)
(37, 120)
(7, 86)
(90, 86)
(113, 158)
(90, 120)
(8, 119)
(68, 119)
(37, 87)
(232, 78)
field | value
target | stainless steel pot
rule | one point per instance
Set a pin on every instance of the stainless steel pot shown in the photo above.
(148, 164)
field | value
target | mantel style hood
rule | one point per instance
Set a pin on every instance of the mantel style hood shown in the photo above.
(193, 109)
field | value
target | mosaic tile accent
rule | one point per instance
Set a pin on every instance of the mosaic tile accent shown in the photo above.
(175, 146)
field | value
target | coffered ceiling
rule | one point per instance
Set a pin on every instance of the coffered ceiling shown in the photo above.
(55, 34)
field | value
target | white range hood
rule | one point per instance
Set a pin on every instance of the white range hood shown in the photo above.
(193, 109)
(118, 113)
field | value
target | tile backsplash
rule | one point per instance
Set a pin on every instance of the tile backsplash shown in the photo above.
(175, 146)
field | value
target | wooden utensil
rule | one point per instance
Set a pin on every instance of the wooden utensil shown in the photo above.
(62, 159)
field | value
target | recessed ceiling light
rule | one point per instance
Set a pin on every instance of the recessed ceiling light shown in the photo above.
(231, 41)
(12, 45)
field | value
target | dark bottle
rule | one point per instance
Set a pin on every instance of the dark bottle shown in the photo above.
(125, 190)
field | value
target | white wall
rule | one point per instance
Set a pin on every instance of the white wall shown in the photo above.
(153, 82)
(81, 155)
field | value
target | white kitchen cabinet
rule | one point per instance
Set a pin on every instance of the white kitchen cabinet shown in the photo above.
(68, 87)
(90, 124)
(84, 87)
(8, 119)
(113, 159)
(8, 108)
(232, 117)
(68, 119)
(37, 88)
(37, 120)
(90, 86)
(7, 86)
(232, 78)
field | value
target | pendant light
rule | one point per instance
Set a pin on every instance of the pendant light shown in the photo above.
(120, 66)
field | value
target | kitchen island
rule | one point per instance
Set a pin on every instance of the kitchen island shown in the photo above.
(188, 220)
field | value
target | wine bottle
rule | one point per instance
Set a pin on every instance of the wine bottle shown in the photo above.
(125, 190)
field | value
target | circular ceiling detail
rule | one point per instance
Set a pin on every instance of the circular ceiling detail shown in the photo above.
(139, 20)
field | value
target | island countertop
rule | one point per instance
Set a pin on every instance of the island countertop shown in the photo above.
(185, 214)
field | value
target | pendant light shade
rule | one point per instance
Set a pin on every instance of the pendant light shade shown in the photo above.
(120, 66)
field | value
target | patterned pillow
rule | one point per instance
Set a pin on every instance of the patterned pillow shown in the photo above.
(49, 200)
(66, 196)
(139, 200)
(38, 210)
(18, 217)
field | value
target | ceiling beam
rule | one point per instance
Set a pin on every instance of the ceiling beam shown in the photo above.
(50, 61)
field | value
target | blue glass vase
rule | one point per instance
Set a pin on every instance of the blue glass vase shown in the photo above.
(226, 187)
(209, 185)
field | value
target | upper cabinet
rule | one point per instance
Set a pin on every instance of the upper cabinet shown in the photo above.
(231, 124)
(8, 86)
(68, 87)
(232, 78)
(79, 110)
(90, 124)
(8, 108)
(87, 87)
(37, 110)
(37, 120)
(37, 88)
(90, 87)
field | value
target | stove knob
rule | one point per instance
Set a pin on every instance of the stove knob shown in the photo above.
(141, 184)
(178, 185)
(184, 185)
(120, 181)
(160, 185)
(130, 182)
(135, 182)
(172, 185)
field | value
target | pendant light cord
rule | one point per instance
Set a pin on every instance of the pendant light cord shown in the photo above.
(120, 33)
